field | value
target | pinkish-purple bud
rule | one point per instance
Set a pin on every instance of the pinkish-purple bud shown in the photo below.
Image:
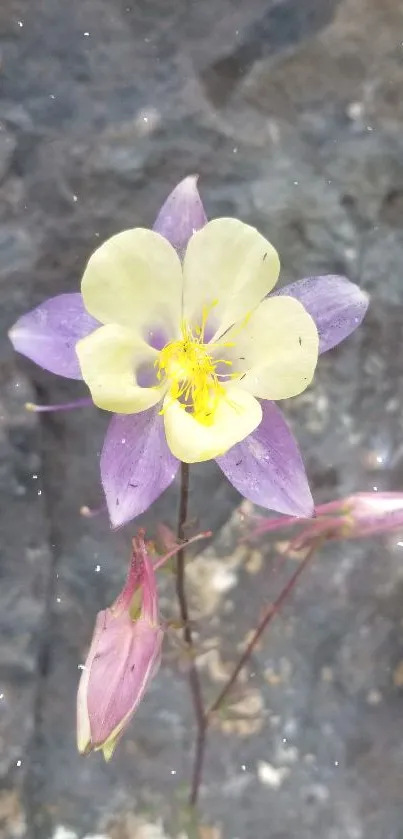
(369, 513)
(125, 654)
(355, 517)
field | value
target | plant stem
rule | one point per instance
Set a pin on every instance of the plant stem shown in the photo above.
(203, 717)
(194, 682)
(271, 611)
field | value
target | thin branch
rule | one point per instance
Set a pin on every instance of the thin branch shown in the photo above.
(194, 682)
(271, 611)
(163, 559)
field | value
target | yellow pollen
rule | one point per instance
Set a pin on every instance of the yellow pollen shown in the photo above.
(190, 371)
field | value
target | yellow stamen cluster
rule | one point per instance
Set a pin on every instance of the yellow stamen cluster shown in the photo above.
(190, 371)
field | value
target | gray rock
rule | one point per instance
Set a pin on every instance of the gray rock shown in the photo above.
(18, 250)
(26, 572)
(7, 147)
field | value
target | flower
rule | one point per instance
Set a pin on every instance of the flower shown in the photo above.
(193, 337)
(355, 517)
(124, 656)
(175, 333)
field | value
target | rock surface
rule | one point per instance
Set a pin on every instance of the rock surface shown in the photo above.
(292, 114)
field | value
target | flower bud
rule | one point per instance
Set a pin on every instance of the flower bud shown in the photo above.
(125, 654)
(354, 517)
(374, 512)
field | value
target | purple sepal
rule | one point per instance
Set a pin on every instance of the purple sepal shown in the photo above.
(336, 305)
(48, 334)
(136, 464)
(181, 214)
(267, 467)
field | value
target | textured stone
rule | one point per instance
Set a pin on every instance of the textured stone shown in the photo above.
(26, 562)
(7, 147)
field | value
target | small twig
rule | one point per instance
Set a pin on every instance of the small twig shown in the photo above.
(194, 681)
(271, 611)
(163, 559)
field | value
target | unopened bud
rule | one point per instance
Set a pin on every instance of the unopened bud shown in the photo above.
(125, 654)
(355, 517)
(374, 512)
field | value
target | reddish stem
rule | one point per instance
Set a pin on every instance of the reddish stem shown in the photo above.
(194, 681)
(271, 611)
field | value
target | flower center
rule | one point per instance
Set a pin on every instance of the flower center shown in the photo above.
(190, 371)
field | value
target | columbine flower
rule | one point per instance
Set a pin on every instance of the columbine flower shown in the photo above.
(175, 333)
(124, 656)
(355, 517)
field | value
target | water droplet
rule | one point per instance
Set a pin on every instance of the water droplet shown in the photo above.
(75, 198)
(173, 771)
(235, 149)
(97, 568)
(399, 544)
(19, 762)
(39, 492)
(20, 23)
(243, 767)
(1, 695)
(58, 599)
(336, 763)
(86, 34)
(34, 477)
(80, 666)
(123, 440)
(296, 183)
(52, 96)
(375, 489)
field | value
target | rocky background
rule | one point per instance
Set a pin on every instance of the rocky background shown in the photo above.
(292, 113)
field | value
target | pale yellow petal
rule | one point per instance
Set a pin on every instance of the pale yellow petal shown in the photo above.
(229, 267)
(277, 349)
(111, 360)
(135, 280)
(237, 415)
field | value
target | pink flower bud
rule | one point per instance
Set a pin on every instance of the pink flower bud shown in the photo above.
(125, 654)
(373, 512)
(355, 517)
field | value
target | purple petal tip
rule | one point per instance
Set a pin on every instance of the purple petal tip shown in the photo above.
(337, 306)
(181, 214)
(48, 334)
(267, 467)
(136, 465)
